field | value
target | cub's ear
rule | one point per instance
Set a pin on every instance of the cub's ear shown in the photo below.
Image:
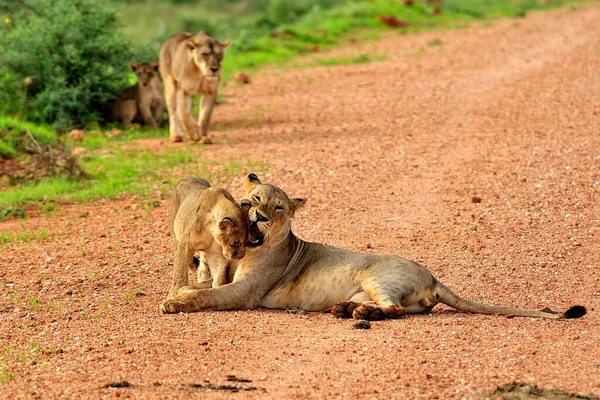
(154, 66)
(134, 66)
(251, 182)
(245, 203)
(225, 44)
(226, 223)
(297, 204)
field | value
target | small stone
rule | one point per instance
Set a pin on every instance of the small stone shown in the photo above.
(49, 260)
(241, 77)
(362, 324)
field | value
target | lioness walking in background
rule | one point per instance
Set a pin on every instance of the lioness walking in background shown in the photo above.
(189, 65)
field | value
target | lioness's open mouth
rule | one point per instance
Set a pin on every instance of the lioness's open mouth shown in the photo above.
(256, 236)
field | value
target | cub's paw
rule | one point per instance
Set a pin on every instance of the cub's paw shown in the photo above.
(205, 140)
(344, 309)
(370, 312)
(394, 312)
(173, 306)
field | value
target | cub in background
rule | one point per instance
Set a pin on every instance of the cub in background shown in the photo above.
(142, 102)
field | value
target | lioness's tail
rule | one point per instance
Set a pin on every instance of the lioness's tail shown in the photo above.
(446, 296)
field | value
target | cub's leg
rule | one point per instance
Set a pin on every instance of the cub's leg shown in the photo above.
(184, 256)
(145, 110)
(175, 134)
(203, 273)
(128, 112)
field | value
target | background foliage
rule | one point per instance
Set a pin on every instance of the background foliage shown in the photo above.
(75, 53)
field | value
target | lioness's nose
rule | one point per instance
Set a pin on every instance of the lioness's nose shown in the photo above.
(214, 70)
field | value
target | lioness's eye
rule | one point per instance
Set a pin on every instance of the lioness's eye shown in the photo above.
(205, 55)
(256, 198)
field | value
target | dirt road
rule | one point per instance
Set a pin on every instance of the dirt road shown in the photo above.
(393, 157)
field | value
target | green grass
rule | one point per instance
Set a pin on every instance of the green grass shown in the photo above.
(262, 33)
(7, 238)
(330, 61)
(118, 166)
(265, 34)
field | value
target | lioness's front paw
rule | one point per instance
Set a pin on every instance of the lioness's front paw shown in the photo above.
(172, 306)
(205, 140)
(370, 312)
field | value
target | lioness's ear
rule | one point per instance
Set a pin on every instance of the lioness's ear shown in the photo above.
(134, 66)
(191, 43)
(297, 203)
(251, 182)
(245, 203)
(225, 44)
(226, 223)
(154, 66)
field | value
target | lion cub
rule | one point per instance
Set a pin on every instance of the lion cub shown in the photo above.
(207, 219)
(142, 102)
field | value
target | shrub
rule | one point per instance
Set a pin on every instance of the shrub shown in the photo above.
(74, 52)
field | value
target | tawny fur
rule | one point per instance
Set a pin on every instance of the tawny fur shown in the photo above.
(189, 65)
(286, 272)
(207, 219)
(142, 102)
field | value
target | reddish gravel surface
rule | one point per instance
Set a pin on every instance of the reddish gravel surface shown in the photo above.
(392, 156)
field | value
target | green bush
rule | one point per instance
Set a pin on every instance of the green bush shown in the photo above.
(74, 52)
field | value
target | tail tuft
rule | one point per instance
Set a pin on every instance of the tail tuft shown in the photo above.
(575, 312)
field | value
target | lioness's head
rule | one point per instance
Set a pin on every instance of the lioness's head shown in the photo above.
(270, 212)
(207, 54)
(145, 72)
(231, 228)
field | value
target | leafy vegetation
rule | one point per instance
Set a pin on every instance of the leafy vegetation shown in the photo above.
(63, 61)
(78, 53)
(273, 31)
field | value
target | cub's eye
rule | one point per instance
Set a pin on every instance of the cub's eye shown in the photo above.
(278, 208)
(256, 198)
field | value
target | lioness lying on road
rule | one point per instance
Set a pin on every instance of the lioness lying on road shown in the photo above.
(207, 219)
(282, 271)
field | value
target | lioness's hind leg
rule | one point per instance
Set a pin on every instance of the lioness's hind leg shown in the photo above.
(368, 310)
(344, 309)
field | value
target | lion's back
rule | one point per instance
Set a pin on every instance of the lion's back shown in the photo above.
(167, 57)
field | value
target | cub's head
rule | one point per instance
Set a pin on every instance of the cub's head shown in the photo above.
(231, 227)
(207, 54)
(270, 212)
(145, 72)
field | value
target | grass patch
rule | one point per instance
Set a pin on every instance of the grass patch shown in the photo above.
(6, 376)
(361, 59)
(119, 166)
(276, 31)
(7, 238)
